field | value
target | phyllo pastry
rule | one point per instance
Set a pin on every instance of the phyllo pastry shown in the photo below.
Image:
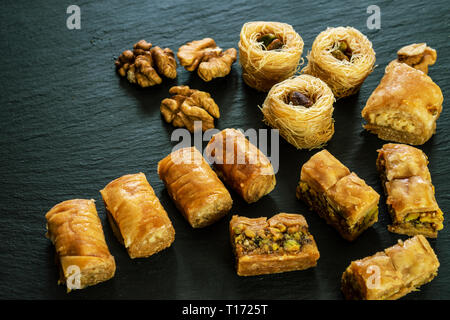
(340, 197)
(194, 187)
(392, 273)
(417, 55)
(410, 192)
(137, 218)
(279, 244)
(82, 255)
(405, 106)
(241, 165)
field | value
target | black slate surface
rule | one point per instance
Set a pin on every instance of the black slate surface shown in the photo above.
(69, 125)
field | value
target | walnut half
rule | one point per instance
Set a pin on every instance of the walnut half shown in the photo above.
(187, 106)
(418, 56)
(209, 59)
(145, 64)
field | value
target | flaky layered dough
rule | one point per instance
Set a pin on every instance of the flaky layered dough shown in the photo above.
(343, 77)
(137, 218)
(392, 273)
(195, 188)
(241, 164)
(405, 106)
(303, 127)
(75, 229)
(264, 68)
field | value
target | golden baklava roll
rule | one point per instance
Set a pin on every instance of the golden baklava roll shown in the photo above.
(410, 193)
(392, 273)
(241, 164)
(137, 218)
(269, 52)
(405, 106)
(342, 57)
(279, 244)
(76, 231)
(194, 187)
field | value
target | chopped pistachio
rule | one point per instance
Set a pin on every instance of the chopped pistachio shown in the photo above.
(291, 245)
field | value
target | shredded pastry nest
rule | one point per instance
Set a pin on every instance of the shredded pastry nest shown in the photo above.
(305, 128)
(344, 77)
(264, 68)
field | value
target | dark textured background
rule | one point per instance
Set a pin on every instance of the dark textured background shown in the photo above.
(69, 125)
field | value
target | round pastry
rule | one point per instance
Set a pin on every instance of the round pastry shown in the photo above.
(342, 57)
(302, 109)
(269, 52)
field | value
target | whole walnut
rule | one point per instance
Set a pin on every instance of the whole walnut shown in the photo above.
(145, 64)
(209, 59)
(187, 106)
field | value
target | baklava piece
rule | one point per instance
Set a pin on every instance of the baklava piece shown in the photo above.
(405, 106)
(410, 193)
(279, 244)
(194, 187)
(417, 55)
(343, 199)
(136, 216)
(393, 273)
(82, 254)
(241, 165)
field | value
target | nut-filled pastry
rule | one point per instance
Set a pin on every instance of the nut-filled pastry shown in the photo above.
(194, 187)
(405, 106)
(392, 273)
(137, 218)
(241, 164)
(83, 257)
(279, 244)
(410, 193)
(343, 199)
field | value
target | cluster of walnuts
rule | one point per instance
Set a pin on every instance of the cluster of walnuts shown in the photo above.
(187, 106)
(144, 65)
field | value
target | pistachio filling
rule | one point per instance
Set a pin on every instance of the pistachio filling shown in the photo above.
(269, 41)
(342, 51)
(278, 239)
(297, 98)
(432, 219)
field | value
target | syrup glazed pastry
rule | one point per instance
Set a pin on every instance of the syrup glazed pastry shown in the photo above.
(410, 193)
(392, 273)
(405, 106)
(75, 229)
(417, 55)
(302, 109)
(343, 199)
(279, 244)
(269, 52)
(137, 218)
(241, 164)
(194, 187)
(342, 57)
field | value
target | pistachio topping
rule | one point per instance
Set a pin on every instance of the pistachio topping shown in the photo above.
(269, 41)
(342, 51)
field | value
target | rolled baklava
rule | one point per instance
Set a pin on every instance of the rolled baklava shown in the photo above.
(343, 199)
(194, 187)
(137, 218)
(82, 254)
(410, 192)
(279, 244)
(241, 164)
(392, 273)
(405, 106)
